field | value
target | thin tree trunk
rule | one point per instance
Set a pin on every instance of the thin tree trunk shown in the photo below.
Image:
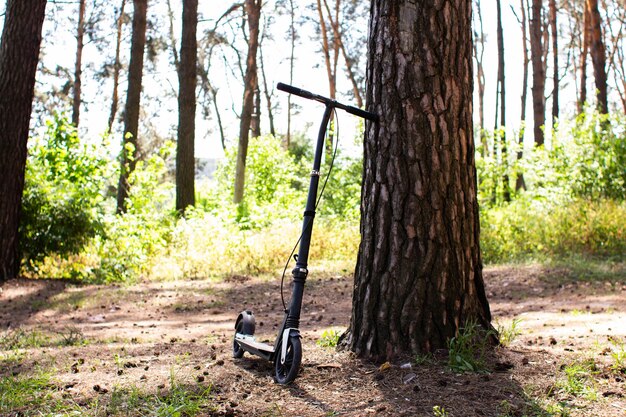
(329, 69)
(292, 29)
(583, 59)
(539, 72)
(268, 94)
(506, 192)
(253, 11)
(117, 66)
(418, 278)
(255, 122)
(555, 61)
(519, 181)
(130, 147)
(19, 55)
(479, 39)
(187, 76)
(598, 56)
(170, 14)
(350, 72)
(78, 65)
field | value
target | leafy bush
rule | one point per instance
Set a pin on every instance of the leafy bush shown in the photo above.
(62, 203)
(133, 241)
(542, 230)
(270, 187)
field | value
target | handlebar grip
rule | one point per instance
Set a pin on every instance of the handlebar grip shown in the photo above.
(361, 113)
(294, 90)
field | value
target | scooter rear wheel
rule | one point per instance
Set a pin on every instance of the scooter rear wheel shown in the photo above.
(286, 372)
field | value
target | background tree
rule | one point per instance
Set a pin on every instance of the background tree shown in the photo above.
(117, 65)
(133, 98)
(80, 34)
(554, 32)
(539, 70)
(19, 55)
(598, 55)
(418, 277)
(479, 50)
(253, 13)
(187, 73)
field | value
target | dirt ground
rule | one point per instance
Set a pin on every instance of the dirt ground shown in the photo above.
(152, 335)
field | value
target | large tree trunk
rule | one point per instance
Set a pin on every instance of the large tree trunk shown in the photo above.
(78, 64)
(555, 61)
(19, 55)
(253, 13)
(539, 72)
(133, 97)
(418, 277)
(116, 65)
(598, 55)
(185, 162)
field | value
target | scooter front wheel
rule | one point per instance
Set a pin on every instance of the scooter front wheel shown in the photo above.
(286, 372)
(237, 350)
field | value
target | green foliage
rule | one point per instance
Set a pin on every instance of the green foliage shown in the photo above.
(133, 240)
(329, 338)
(466, 351)
(439, 411)
(542, 229)
(270, 187)
(507, 334)
(578, 379)
(62, 202)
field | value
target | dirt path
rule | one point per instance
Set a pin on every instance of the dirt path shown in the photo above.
(102, 344)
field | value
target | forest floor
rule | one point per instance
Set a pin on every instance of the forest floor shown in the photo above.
(165, 349)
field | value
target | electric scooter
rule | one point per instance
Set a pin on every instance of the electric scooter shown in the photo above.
(286, 353)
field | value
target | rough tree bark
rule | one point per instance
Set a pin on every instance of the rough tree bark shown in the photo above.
(253, 13)
(598, 55)
(539, 71)
(187, 75)
(418, 277)
(292, 32)
(19, 55)
(80, 34)
(133, 97)
(117, 66)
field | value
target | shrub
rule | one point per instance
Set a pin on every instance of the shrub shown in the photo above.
(62, 203)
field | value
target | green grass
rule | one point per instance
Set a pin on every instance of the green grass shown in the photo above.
(329, 338)
(178, 400)
(507, 334)
(578, 379)
(19, 391)
(466, 351)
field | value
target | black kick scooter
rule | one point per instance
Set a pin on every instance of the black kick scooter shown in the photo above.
(287, 350)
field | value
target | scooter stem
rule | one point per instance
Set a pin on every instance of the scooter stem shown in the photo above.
(300, 272)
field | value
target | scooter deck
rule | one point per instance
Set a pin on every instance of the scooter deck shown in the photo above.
(249, 344)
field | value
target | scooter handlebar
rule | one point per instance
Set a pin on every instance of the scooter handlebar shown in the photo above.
(308, 95)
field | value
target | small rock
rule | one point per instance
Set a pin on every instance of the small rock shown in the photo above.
(408, 378)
